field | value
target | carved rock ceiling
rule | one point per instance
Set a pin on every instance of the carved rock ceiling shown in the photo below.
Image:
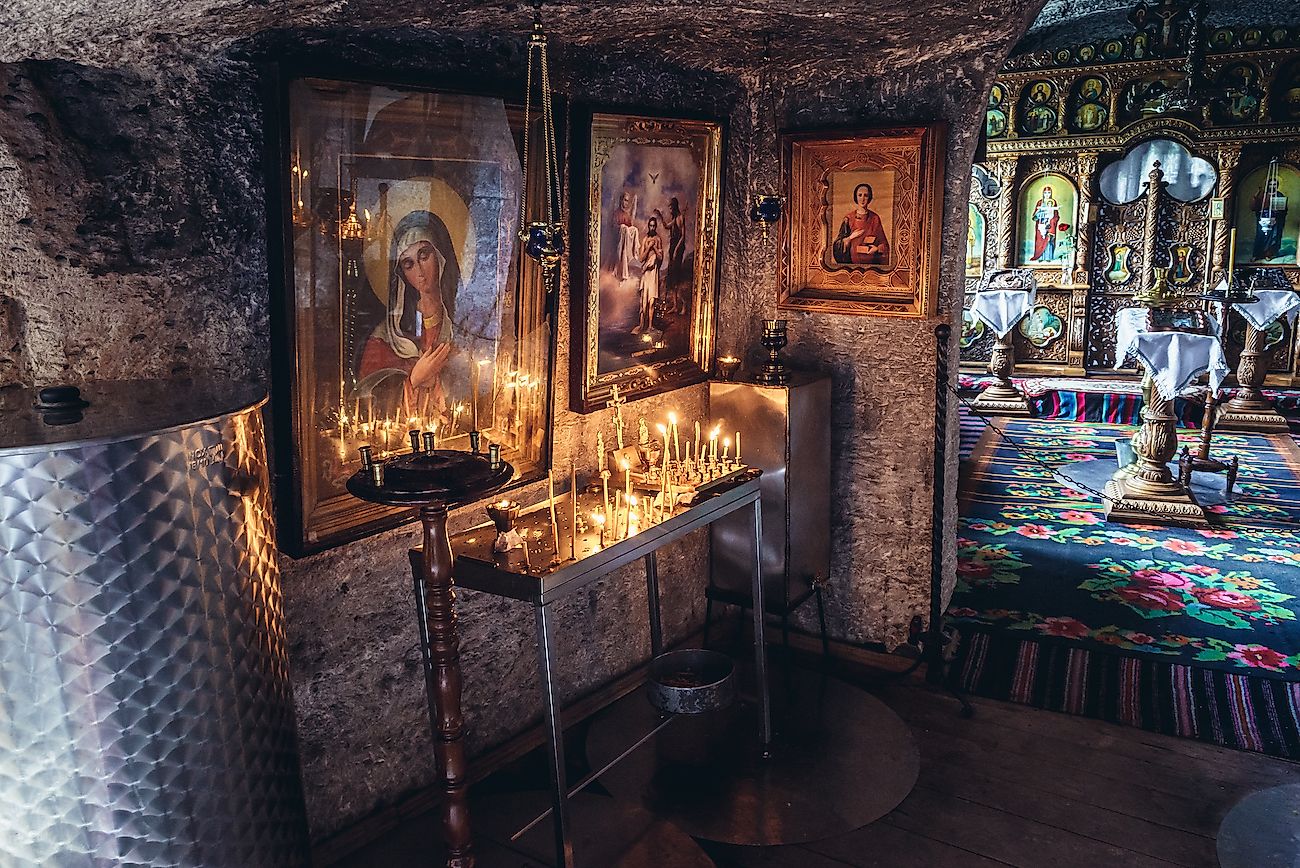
(809, 38)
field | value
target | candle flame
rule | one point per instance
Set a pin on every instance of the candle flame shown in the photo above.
(663, 429)
(598, 517)
(672, 418)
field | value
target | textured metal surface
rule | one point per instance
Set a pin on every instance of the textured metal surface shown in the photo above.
(840, 759)
(145, 707)
(786, 434)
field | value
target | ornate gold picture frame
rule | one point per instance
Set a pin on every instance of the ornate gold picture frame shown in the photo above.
(403, 300)
(862, 229)
(648, 195)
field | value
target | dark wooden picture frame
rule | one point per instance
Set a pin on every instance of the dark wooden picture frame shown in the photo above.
(841, 256)
(645, 213)
(370, 342)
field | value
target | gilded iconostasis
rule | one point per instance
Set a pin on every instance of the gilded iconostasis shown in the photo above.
(1071, 136)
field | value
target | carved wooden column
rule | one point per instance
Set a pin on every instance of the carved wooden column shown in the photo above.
(1006, 169)
(1229, 156)
(1084, 228)
(1150, 231)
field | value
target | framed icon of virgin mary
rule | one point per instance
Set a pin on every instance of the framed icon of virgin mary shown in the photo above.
(404, 303)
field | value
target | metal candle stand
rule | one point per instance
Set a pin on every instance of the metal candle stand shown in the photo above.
(435, 480)
(549, 581)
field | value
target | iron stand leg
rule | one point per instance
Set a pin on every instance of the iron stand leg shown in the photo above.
(652, 594)
(821, 617)
(555, 729)
(760, 647)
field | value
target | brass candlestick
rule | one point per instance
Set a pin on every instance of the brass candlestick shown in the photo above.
(727, 367)
(774, 372)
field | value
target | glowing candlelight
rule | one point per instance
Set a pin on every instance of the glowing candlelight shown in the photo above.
(573, 502)
(599, 519)
(1232, 257)
(555, 525)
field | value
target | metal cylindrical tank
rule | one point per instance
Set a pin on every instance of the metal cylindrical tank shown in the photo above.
(146, 715)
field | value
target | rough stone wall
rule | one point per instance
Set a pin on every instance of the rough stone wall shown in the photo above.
(131, 218)
(882, 368)
(130, 221)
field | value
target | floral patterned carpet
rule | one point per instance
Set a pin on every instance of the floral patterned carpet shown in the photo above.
(1037, 560)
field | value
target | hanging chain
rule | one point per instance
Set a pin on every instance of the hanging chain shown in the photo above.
(537, 51)
(1034, 459)
(548, 130)
(528, 123)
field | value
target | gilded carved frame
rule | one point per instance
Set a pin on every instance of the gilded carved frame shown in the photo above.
(812, 275)
(657, 161)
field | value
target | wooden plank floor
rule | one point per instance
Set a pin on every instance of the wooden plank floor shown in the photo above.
(1012, 786)
(1024, 787)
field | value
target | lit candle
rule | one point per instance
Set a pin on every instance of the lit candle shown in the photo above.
(726, 447)
(1232, 255)
(473, 377)
(573, 498)
(663, 488)
(555, 525)
(599, 519)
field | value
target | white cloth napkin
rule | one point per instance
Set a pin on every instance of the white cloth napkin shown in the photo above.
(1129, 323)
(1273, 304)
(1174, 359)
(1001, 309)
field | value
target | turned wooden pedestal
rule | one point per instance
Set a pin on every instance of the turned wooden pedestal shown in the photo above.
(1249, 410)
(1002, 398)
(434, 480)
(1147, 491)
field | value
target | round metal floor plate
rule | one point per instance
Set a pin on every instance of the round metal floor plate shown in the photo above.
(1262, 830)
(605, 832)
(840, 759)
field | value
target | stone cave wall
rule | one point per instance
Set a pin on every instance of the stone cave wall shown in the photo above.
(131, 212)
(131, 215)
